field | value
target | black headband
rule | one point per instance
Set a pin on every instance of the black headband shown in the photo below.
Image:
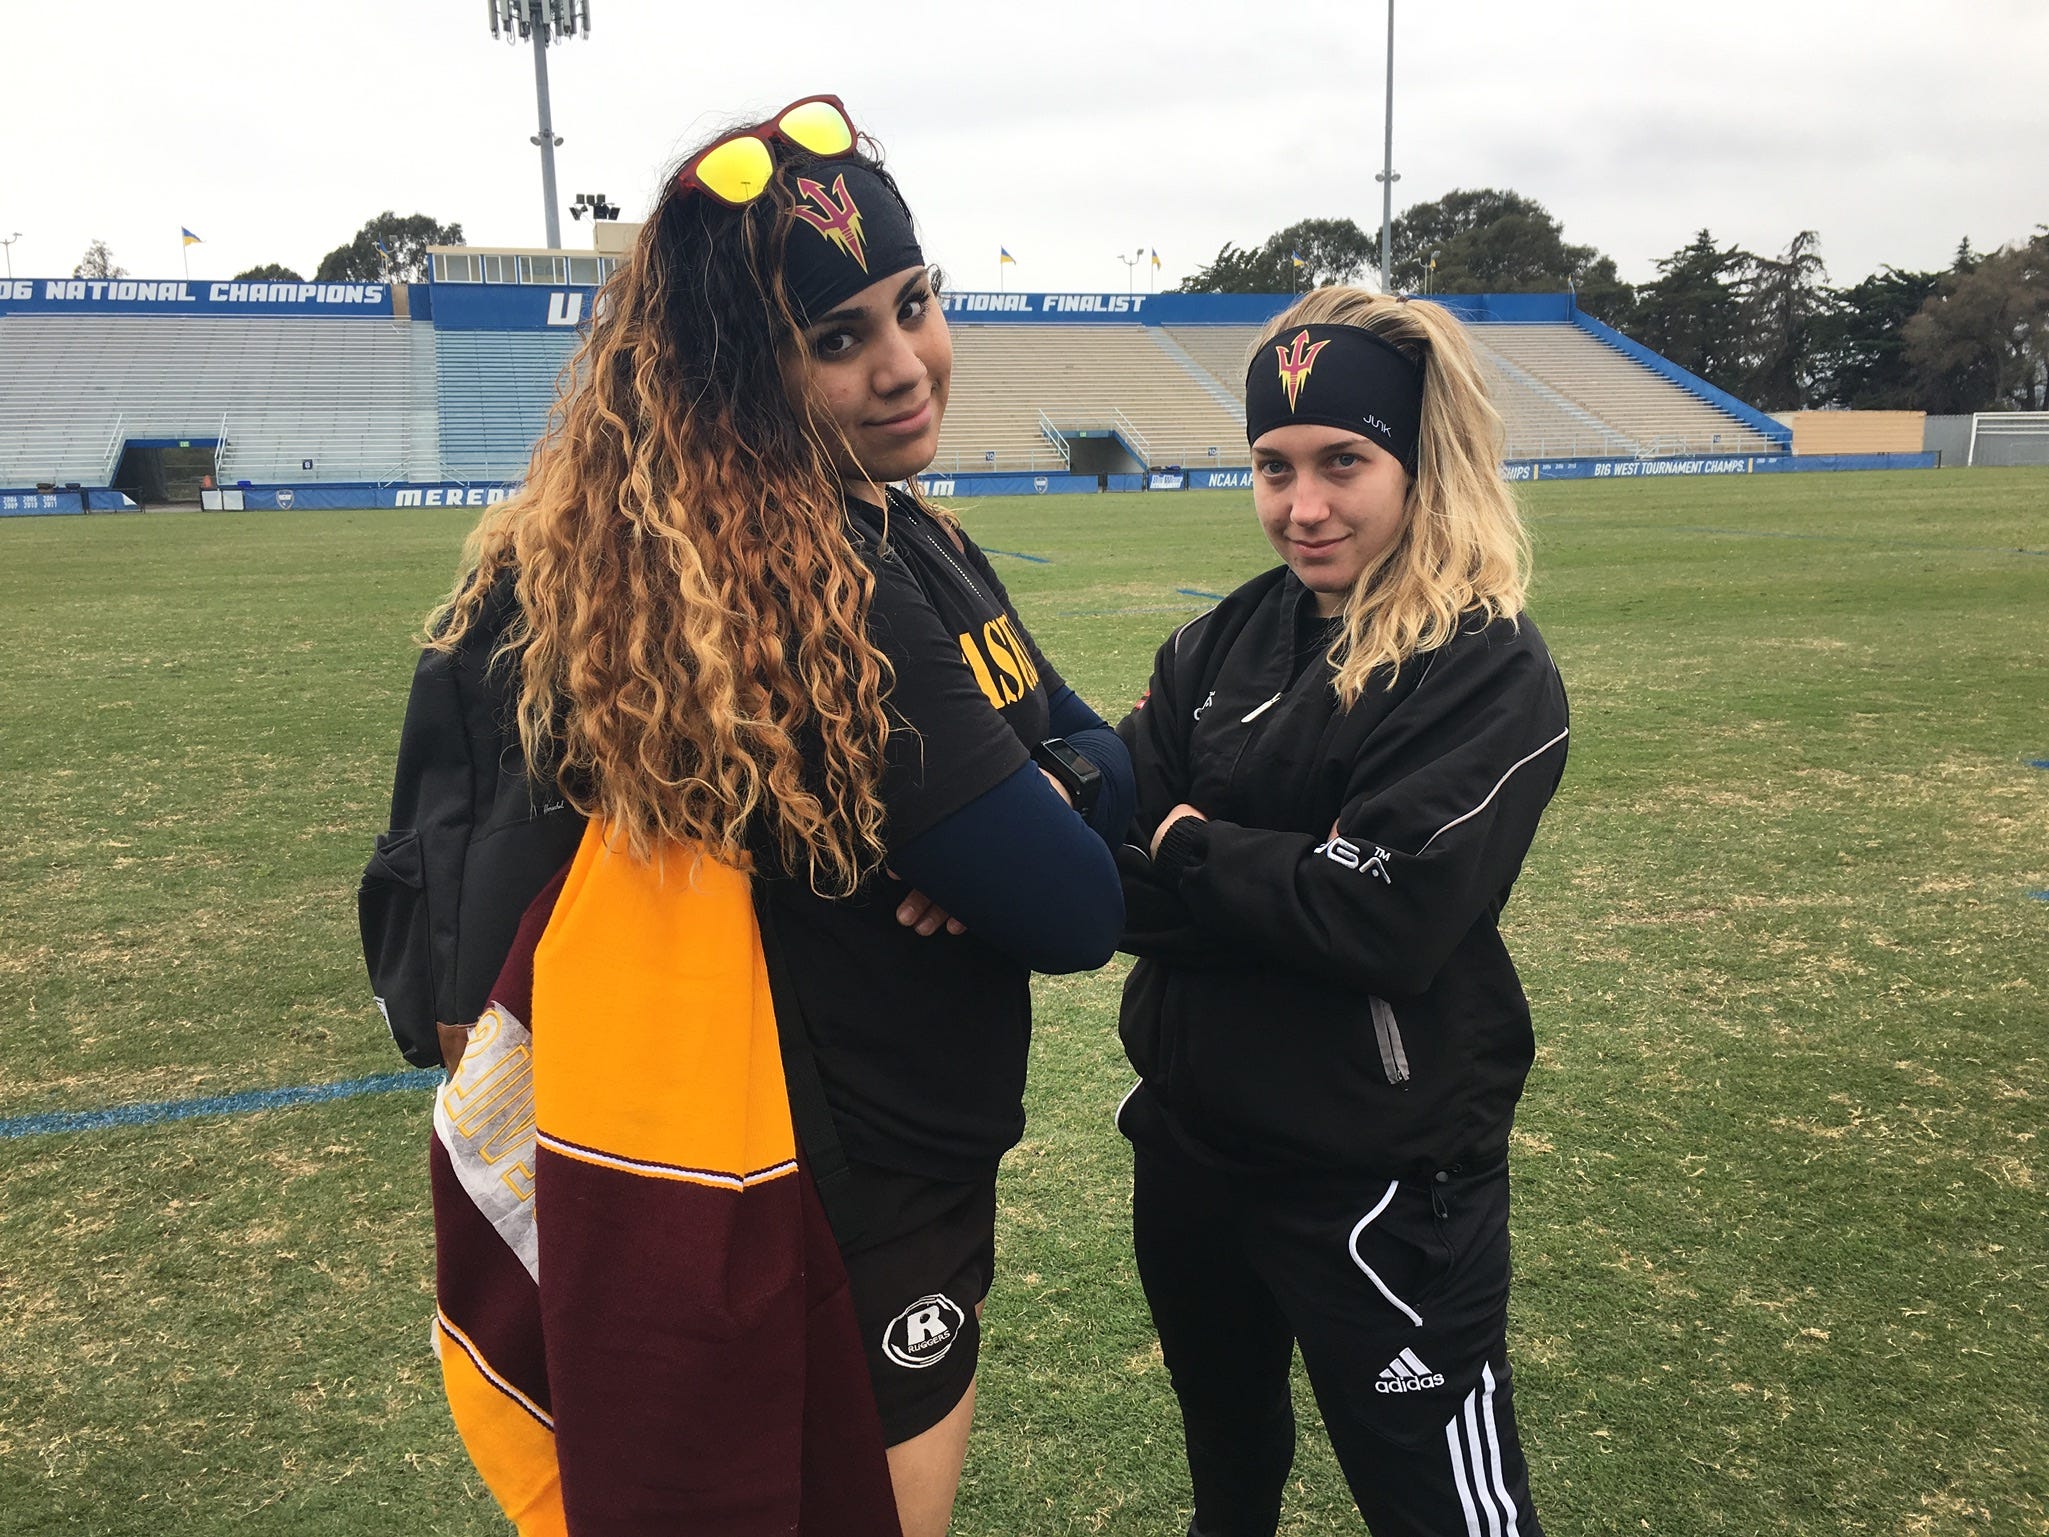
(1336, 376)
(848, 229)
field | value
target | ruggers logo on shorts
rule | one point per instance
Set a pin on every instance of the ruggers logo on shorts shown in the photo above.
(924, 1332)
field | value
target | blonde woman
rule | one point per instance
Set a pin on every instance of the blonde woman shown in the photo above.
(1340, 769)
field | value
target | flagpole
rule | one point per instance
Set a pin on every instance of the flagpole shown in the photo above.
(185, 255)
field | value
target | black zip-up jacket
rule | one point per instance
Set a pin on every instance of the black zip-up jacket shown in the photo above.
(1322, 986)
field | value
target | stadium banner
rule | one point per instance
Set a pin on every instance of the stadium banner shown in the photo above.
(30, 504)
(984, 308)
(1794, 463)
(1017, 483)
(510, 307)
(337, 497)
(1705, 464)
(1220, 480)
(1166, 480)
(194, 296)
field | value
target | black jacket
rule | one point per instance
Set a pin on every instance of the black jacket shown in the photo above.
(472, 840)
(1322, 986)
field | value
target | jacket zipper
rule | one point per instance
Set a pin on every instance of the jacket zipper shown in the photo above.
(946, 554)
(1394, 1060)
(1259, 710)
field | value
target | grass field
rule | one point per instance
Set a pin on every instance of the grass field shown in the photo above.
(1783, 1263)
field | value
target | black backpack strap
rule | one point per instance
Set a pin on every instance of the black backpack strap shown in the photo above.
(819, 1138)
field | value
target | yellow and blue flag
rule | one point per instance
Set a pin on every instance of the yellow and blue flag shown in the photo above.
(1156, 258)
(1296, 258)
(1004, 258)
(190, 238)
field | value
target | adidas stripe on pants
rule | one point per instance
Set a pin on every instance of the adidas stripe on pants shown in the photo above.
(1396, 1293)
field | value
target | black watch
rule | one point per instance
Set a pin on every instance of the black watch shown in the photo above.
(1081, 779)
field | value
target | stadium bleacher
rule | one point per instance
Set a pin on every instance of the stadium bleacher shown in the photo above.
(1653, 414)
(495, 389)
(277, 392)
(451, 384)
(1561, 393)
(1080, 379)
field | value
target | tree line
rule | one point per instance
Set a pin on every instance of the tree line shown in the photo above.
(1769, 329)
(387, 249)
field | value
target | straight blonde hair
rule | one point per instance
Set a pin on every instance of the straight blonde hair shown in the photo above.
(1463, 547)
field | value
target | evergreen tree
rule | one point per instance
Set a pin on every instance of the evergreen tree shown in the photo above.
(1860, 357)
(1491, 241)
(1690, 314)
(1332, 251)
(387, 249)
(98, 262)
(1783, 301)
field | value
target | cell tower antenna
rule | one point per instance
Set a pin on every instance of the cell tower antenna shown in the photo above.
(542, 22)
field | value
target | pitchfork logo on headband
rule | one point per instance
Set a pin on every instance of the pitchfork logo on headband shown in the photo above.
(1295, 365)
(837, 216)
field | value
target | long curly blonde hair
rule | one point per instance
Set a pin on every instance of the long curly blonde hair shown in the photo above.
(1463, 545)
(690, 630)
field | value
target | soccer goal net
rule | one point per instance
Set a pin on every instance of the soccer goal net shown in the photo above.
(2009, 437)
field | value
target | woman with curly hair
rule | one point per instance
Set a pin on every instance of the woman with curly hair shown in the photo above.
(832, 784)
(1340, 769)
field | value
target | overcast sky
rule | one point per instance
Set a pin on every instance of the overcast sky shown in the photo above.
(1066, 131)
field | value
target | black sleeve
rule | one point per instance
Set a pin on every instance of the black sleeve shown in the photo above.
(1056, 907)
(946, 745)
(1070, 716)
(1049, 677)
(1445, 800)
(1156, 735)
(1157, 919)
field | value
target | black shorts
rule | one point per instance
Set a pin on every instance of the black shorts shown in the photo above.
(920, 1261)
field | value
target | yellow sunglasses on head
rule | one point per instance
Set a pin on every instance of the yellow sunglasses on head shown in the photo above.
(736, 170)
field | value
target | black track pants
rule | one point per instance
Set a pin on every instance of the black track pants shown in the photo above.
(1397, 1294)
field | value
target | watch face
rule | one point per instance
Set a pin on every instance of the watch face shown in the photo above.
(1079, 777)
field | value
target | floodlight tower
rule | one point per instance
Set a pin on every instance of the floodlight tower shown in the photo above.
(1387, 175)
(542, 22)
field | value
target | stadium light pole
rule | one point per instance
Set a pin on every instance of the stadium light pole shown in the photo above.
(542, 22)
(1131, 269)
(1386, 175)
(9, 244)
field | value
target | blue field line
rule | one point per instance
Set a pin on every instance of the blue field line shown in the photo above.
(1197, 592)
(220, 1104)
(1037, 560)
(2040, 896)
(2041, 763)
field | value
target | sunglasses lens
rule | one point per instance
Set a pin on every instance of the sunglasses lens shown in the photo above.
(736, 171)
(818, 126)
